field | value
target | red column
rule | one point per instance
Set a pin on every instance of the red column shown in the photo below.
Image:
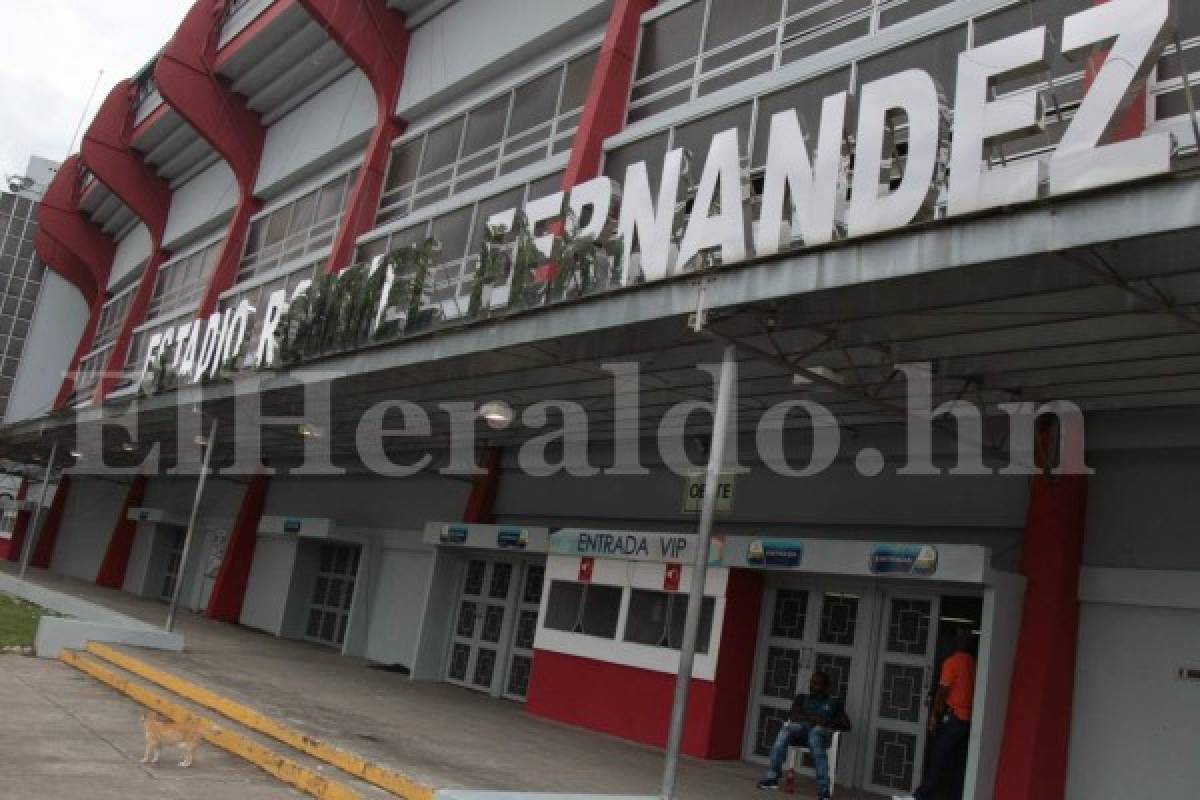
(10, 549)
(604, 111)
(375, 37)
(107, 153)
(120, 544)
(481, 503)
(43, 551)
(735, 663)
(68, 243)
(187, 79)
(229, 591)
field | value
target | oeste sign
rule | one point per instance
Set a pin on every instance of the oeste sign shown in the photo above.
(826, 201)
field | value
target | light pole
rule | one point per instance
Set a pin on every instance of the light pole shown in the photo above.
(691, 623)
(209, 446)
(31, 537)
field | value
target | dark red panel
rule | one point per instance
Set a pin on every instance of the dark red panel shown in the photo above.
(735, 662)
(482, 500)
(229, 590)
(618, 700)
(43, 551)
(375, 38)
(604, 111)
(107, 153)
(120, 544)
(68, 243)
(1033, 759)
(188, 81)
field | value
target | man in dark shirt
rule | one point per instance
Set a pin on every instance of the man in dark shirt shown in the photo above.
(811, 723)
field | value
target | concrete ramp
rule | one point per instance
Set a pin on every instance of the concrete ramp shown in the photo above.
(82, 622)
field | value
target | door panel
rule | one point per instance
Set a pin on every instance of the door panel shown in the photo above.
(810, 626)
(904, 678)
(492, 643)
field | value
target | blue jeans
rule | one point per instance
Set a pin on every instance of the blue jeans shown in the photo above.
(801, 734)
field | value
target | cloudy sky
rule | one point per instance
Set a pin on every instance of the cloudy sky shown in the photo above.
(53, 50)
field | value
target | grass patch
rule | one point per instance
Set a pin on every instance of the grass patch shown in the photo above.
(18, 622)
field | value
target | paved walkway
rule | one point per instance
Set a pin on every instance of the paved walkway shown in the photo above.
(437, 733)
(63, 736)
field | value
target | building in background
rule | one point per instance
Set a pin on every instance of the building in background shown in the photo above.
(35, 305)
(273, 142)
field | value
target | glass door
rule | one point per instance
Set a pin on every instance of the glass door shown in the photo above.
(903, 681)
(333, 595)
(174, 557)
(520, 660)
(481, 624)
(810, 627)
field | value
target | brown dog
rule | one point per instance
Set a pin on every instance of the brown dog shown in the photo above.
(162, 731)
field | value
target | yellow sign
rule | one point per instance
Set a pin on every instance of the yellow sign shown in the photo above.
(693, 493)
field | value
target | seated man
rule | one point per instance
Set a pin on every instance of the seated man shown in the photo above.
(811, 723)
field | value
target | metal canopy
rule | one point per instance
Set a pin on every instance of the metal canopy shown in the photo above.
(172, 147)
(1094, 300)
(284, 64)
(105, 209)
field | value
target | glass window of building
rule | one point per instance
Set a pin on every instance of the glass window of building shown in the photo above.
(183, 281)
(656, 619)
(590, 609)
(304, 226)
(515, 129)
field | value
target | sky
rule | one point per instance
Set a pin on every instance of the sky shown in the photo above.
(53, 51)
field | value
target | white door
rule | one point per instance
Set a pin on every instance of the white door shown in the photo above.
(810, 626)
(333, 594)
(482, 624)
(903, 680)
(520, 659)
(175, 538)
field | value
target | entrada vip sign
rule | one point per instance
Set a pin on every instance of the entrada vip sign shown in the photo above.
(1134, 32)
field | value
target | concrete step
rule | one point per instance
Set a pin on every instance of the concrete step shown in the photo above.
(308, 774)
(352, 764)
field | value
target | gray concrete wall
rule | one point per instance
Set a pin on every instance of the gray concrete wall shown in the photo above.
(330, 126)
(838, 503)
(474, 40)
(1142, 510)
(201, 205)
(1135, 724)
(396, 504)
(397, 605)
(58, 322)
(133, 250)
(140, 557)
(270, 579)
(92, 508)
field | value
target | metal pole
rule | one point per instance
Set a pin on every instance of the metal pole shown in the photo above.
(187, 539)
(32, 535)
(691, 624)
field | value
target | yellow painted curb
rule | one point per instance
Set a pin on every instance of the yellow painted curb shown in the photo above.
(280, 767)
(348, 762)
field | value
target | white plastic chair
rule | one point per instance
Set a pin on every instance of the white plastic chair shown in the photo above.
(793, 757)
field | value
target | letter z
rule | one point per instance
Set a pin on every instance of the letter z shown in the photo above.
(1138, 30)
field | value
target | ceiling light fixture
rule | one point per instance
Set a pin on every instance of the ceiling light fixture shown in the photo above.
(497, 414)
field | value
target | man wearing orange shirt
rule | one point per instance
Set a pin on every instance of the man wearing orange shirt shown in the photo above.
(950, 718)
